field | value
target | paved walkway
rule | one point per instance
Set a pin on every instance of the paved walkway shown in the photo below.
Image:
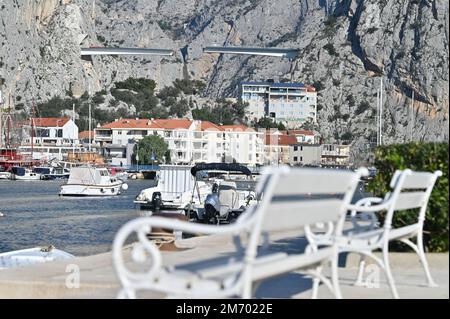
(98, 279)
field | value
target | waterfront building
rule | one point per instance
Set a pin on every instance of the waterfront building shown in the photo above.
(289, 103)
(335, 155)
(189, 141)
(305, 154)
(276, 148)
(304, 136)
(52, 137)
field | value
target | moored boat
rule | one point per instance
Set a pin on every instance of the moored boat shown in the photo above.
(92, 181)
(24, 174)
(51, 173)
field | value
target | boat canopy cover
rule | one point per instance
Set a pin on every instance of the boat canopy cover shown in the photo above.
(229, 167)
(87, 175)
(19, 171)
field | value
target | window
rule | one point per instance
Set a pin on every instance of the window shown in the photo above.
(295, 159)
(301, 148)
(295, 148)
(119, 132)
(301, 158)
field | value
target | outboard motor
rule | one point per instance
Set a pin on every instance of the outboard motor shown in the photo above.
(156, 201)
(212, 209)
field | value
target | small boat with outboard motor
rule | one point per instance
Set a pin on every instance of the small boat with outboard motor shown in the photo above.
(233, 191)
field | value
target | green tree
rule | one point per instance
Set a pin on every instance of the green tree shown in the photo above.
(148, 146)
(268, 123)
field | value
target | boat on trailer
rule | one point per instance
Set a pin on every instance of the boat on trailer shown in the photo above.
(92, 181)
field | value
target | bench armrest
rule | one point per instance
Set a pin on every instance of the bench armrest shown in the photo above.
(144, 250)
(364, 211)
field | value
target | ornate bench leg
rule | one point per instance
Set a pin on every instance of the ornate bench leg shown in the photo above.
(362, 265)
(423, 259)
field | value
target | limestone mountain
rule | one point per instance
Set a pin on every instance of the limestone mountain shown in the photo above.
(346, 47)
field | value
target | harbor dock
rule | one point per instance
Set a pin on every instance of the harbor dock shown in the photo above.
(97, 278)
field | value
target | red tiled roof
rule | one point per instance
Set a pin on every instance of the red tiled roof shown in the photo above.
(50, 121)
(85, 134)
(298, 132)
(283, 140)
(208, 126)
(132, 123)
(236, 128)
(174, 123)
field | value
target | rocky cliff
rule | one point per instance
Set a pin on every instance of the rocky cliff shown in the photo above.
(346, 47)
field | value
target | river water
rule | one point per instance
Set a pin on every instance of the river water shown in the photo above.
(34, 215)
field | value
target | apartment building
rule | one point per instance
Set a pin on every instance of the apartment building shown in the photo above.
(305, 154)
(290, 103)
(277, 148)
(334, 155)
(189, 141)
(304, 136)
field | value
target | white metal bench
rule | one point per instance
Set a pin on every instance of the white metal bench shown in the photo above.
(410, 191)
(292, 199)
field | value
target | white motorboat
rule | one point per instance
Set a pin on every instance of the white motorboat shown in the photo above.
(31, 256)
(52, 173)
(92, 181)
(5, 175)
(176, 189)
(232, 193)
(24, 174)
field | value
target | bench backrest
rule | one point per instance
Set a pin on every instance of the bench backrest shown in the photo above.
(294, 198)
(410, 190)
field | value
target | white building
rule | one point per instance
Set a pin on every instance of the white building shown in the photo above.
(305, 154)
(290, 103)
(188, 141)
(50, 137)
(52, 130)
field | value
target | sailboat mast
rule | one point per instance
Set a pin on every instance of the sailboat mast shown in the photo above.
(89, 126)
(1, 114)
(8, 125)
(381, 111)
(73, 137)
(32, 128)
(412, 118)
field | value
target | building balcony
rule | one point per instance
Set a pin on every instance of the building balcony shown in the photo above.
(103, 138)
(335, 154)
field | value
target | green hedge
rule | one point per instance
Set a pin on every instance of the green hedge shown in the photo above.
(419, 157)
